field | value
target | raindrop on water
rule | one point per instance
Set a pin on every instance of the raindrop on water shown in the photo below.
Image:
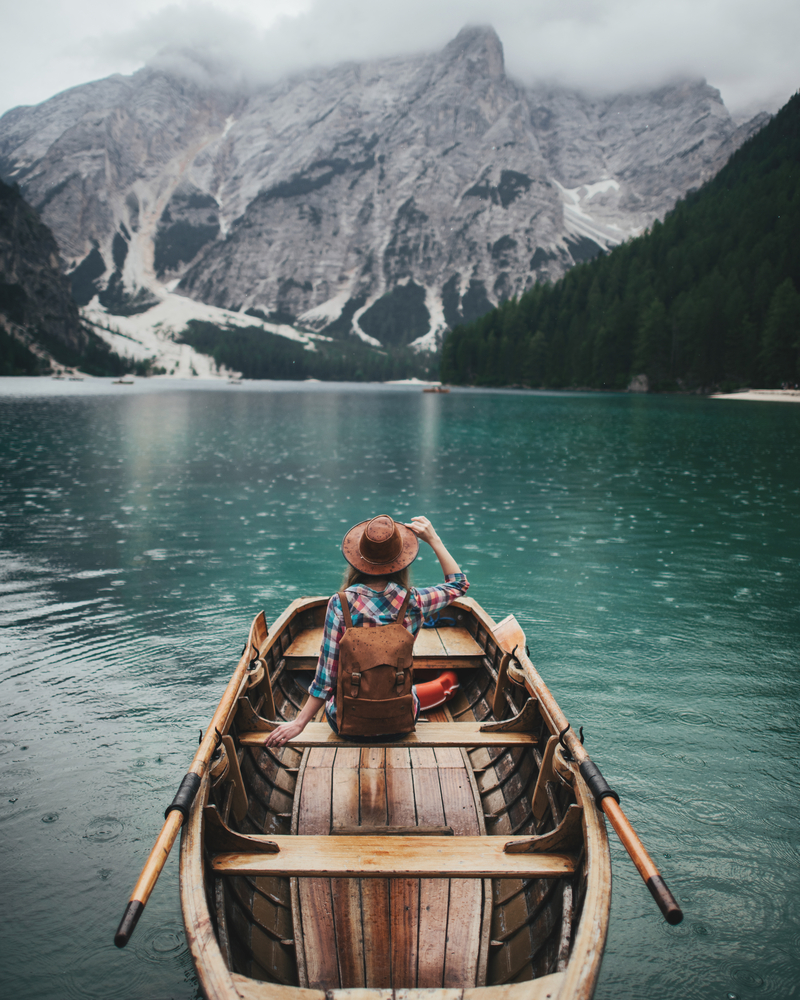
(103, 829)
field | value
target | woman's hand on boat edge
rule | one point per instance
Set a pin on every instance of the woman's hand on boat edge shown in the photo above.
(283, 733)
(288, 730)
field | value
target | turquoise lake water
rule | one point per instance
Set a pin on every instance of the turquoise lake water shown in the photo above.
(648, 545)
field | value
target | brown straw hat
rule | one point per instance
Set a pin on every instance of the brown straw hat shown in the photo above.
(380, 546)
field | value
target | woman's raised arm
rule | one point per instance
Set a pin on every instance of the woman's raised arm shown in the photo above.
(424, 530)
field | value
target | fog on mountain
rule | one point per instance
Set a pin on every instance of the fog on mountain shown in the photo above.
(384, 202)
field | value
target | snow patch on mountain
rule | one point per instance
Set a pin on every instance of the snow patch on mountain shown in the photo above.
(579, 221)
(152, 335)
(326, 312)
(432, 340)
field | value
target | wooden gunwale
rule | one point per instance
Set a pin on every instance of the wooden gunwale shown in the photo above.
(578, 978)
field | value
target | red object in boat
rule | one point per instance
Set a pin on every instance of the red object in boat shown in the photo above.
(437, 691)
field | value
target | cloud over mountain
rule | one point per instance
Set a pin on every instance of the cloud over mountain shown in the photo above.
(746, 50)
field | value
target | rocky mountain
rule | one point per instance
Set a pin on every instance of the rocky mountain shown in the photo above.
(36, 307)
(389, 199)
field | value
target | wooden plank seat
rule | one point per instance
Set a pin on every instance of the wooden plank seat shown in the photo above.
(393, 857)
(430, 734)
(432, 647)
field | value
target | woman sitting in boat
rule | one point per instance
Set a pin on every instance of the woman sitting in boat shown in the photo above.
(377, 588)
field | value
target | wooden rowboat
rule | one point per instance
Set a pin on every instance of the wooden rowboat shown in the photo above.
(469, 855)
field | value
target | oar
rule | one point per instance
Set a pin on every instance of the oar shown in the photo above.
(511, 639)
(179, 808)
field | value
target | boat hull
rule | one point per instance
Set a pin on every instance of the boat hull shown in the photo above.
(468, 857)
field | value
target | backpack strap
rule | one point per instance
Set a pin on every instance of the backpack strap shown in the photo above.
(402, 613)
(348, 621)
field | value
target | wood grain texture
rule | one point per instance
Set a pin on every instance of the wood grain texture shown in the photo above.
(316, 894)
(464, 921)
(400, 796)
(316, 907)
(459, 642)
(346, 893)
(212, 972)
(539, 801)
(373, 797)
(434, 893)
(433, 734)
(395, 857)
(434, 903)
(586, 954)
(250, 989)
(430, 643)
(404, 924)
(465, 914)
(375, 909)
(422, 757)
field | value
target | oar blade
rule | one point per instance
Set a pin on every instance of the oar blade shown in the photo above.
(667, 903)
(508, 635)
(130, 918)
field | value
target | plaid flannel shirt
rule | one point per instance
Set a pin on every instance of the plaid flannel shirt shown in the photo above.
(374, 607)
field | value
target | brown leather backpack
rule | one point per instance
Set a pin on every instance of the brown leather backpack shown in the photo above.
(373, 695)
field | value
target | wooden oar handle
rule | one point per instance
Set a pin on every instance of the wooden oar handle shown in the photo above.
(608, 800)
(258, 642)
(176, 813)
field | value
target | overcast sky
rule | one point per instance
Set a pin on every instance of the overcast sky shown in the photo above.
(749, 49)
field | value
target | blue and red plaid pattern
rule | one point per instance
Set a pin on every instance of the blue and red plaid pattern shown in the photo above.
(373, 607)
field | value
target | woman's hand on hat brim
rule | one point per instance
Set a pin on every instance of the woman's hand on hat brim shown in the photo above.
(423, 529)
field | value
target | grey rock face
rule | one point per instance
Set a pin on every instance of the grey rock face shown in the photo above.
(35, 300)
(389, 199)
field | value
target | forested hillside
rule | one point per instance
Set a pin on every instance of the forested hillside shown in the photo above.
(708, 298)
(39, 320)
(258, 354)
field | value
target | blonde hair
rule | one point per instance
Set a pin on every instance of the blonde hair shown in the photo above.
(352, 575)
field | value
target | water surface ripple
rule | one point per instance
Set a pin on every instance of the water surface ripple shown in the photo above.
(648, 546)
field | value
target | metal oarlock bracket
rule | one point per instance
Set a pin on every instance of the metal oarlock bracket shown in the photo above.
(567, 755)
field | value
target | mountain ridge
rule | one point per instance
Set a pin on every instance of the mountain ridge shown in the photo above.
(390, 200)
(709, 298)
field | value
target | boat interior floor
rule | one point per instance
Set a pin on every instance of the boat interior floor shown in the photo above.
(391, 932)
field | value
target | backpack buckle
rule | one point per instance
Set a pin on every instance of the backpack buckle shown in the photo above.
(400, 676)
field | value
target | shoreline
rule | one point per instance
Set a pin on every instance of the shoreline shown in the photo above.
(762, 395)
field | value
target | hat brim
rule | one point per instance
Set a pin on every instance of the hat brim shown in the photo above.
(351, 550)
